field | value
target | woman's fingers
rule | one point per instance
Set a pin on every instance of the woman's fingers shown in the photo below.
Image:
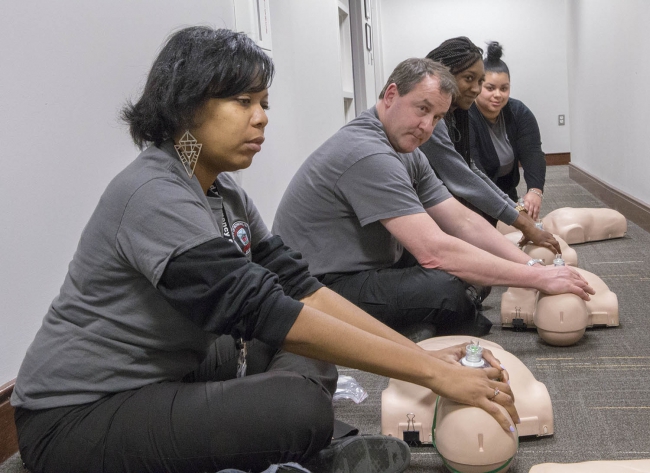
(541, 238)
(500, 395)
(548, 240)
(533, 204)
(451, 354)
(554, 245)
(501, 374)
(479, 387)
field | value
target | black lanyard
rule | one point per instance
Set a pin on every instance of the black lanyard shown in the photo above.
(240, 344)
(225, 224)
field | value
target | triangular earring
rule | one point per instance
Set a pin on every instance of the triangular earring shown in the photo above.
(188, 150)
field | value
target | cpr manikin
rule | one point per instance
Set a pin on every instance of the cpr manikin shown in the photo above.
(560, 319)
(547, 256)
(581, 225)
(468, 439)
(539, 252)
(618, 466)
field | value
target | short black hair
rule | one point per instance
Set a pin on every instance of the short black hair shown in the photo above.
(457, 54)
(195, 64)
(492, 61)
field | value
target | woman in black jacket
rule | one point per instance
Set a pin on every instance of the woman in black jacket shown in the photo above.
(504, 134)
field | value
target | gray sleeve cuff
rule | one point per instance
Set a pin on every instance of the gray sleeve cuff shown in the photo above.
(509, 215)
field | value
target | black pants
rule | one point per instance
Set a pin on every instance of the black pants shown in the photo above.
(408, 294)
(280, 412)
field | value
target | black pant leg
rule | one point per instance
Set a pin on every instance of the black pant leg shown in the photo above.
(281, 414)
(404, 296)
(221, 363)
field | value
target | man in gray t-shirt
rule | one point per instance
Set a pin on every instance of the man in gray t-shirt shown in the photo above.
(368, 193)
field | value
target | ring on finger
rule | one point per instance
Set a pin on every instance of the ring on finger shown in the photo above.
(496, 393)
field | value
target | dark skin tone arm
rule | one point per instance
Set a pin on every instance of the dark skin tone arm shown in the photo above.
(534, 235)
(332, 329)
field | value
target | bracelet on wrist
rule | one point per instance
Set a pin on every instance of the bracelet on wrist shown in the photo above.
(533, 262)
(536, 192)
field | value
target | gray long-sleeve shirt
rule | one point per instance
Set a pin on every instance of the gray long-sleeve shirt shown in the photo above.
(467, 182)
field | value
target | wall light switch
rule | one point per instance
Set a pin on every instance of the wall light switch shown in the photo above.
(560, 120)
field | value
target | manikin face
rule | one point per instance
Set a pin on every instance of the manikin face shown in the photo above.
(410, 119)
(231, 131)
(469, 84)
(495, 94)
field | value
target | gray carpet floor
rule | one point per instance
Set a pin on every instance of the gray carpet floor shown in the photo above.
(600, 387)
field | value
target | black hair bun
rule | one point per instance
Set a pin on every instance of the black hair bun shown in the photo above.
(494, 51)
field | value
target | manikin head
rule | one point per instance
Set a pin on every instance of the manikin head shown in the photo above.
(465, 61)
(416, 96)
(496, 87)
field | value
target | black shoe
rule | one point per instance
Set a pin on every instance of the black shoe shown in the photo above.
(362, 454)
(484, 292)
(477, 294)
(481, 326)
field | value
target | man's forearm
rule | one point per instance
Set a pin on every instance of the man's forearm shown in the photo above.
(450, 253)
(479, 233)
(450, 246)
(478, 266)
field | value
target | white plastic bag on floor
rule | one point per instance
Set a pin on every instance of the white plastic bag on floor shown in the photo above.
(348, 388)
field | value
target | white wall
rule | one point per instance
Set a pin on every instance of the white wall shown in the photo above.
(609, 46)
(305, 102)
(67, 68)
(532, 32)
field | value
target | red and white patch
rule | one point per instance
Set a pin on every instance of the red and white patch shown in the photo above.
(241, 234)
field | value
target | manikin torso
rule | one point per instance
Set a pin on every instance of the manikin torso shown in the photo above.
(606, 466)
(580, 225)
(560, 319)
(466, 436)
(539, 252)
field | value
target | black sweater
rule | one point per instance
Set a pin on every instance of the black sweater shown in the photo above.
(523, 134)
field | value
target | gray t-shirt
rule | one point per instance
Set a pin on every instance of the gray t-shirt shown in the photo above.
(110, 329)
(332, 207)
(469, 183)
(501, 145)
